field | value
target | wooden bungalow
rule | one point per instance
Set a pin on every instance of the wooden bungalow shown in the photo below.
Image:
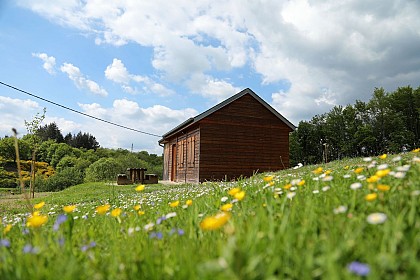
(236, 138)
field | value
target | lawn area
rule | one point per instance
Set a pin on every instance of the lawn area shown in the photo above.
(342, 220)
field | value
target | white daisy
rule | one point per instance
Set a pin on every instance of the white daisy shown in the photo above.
(355, 186)
(376, 218)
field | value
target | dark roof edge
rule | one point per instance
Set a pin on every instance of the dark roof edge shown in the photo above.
(223, 104)
(190, 120)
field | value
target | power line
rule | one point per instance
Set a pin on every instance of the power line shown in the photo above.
(78, 112)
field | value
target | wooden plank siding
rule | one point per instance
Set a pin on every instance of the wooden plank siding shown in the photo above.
(240, 139)
(187, 153)
(166, 163)
(236, 138)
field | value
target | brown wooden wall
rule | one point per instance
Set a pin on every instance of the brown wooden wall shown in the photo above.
(240, 139)
(187, 148)
(166, 161)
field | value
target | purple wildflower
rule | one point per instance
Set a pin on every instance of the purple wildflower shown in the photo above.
(359, 268)
(160, 220)
(29, 249)
(177, 230)
(157, 235)
(61, 241)
(86, 247)
(4, 243)
(60, 219)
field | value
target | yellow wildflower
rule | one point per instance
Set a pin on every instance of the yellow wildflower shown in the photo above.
(141, 213)
(358, 170)
(137, 207)
(268, 179)
(7, 228)
(287, 186)
(215, 222)
(346, 167)
(382, 156)
(101, 210)
(371, 196)
(383, 188)
(140, 188)
(36, 220)
(174, 204)
(382, 173)
(39, 205)
(240, 195)
(116, 212)
(234, 191)
(301, 183)
(69, 208)
(318, 170)
(188, 202)
(373, 179)
(328, 172)
(226, 207)
(416, 150)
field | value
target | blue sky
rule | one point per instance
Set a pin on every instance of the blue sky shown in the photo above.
(150, 65)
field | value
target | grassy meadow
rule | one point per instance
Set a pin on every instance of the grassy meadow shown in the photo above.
(349, 219)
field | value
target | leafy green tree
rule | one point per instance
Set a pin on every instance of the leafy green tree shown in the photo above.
(50, 132)
(72, 161)
(58, 151)
(83, 140)
(43, 150)
(311, 138)
(66, 162)
(131, 161)
(34, 141)
(335, 133)
(105, 169)
(405, 102)
(295, 150)
(352, 124)
(90, 155)
(7, 149)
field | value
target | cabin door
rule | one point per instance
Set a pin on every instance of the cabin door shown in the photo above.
(173, 167)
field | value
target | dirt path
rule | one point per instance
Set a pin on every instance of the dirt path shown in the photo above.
(16, 201)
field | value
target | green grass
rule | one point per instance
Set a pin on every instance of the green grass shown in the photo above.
(270, 235)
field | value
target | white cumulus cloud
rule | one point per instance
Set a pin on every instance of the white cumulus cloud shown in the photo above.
(81, 81)
(327, 52)
(118, 73)
(14, 113)
(154, 120)
(49, 62)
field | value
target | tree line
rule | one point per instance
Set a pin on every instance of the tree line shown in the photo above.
(79, 140)
(388, 123)
(64, 161)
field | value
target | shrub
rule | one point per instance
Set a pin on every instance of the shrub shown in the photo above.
(66, 178)
(66, 162)
(7, 179)
(105, 169)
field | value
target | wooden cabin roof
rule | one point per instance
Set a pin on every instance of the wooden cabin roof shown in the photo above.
(194, 120)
